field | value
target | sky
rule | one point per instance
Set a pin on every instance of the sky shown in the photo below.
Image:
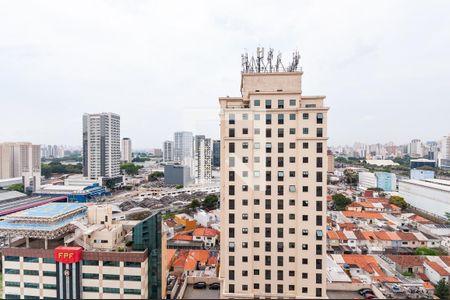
(384, 66)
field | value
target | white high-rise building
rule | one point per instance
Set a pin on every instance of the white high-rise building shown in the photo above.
(101, 145)
(21, 159)
(168, 151)
(416, 148)
(203, 159)
(126, 150)
(444, 155)
(184, 147)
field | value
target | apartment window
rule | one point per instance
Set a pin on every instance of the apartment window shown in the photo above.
(31, 259)
(318, 249)
(245, 117)
(90, 289)
(244, 286)
(244, 202)
(280, 190)
(111, 277)
(244, 173)
(292, 259)
(291, 173)
(291, 145)
(319, 191)
(231, 190)
(256, 201)
(245, 159)
(244, 245)
(305, 160)
(292, 188)
(304, 232)
(231, 147)
(231, 161)
(292, 102)
(231, 232)
(304, 275)
(319, 118)
(231, 119)
(268, 147)
(231, 218)
(280, 147)
(267, 246)
(291, 202)
(291, 130)
(319, 177)
(268, 288)
(268, 218)
(245, 145)
(305, 189)
(244, 216)
(87, 262)
(280, 103)
(256, 216)
(305, 130)
(280, 161)
(319, 205)
(319, 162)
(231, 288)
(231, 132)
(280, 261)
(304, 246)
(256, 159)
(31, 285)
(268, 161)
(268, 119)
(319, 132)
(291, 230)
(244, 230)
(231, 246)
(48, 260)
(256, 145)
(280, 233)
(319, 148)
(305, 145)
(268, 191)
(231, 175)
(113, 264)
(256, 244)
(256, 229)
(256, 286)
(304, 290)
(319, 235)
(279, 275)
(280, 132)
(279, 288)
(256, 272)
(268, 103)
(257, 131)
(280, 204)
(280, 219)
(48, 287)
(319, 221)
(291, 245)
(280, 118)
(244, 130)
(267, 260)
(268, 275)
(305, 217)
(268, 132)
(318, 292)
(268, 204)
(305, 203)
(256, 258)
(305, 174)
(304, 261)
(30, 272)
(256, 103)
(305, 116)
(292, 287)
(292, 117)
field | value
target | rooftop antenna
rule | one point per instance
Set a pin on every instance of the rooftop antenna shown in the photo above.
(294, 64)
(245, 63)
(259, 58)
(269, 60)
(279, 64)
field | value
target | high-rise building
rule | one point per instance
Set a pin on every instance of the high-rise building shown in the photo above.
(168, 151)
(216, 153)
(444, 155)
(21, 159)
(126, 150)
(416, 148)
(273, 188)
(203, 160)
(101, 145)
(184, 147)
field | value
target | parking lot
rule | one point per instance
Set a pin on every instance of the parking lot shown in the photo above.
(192, 293)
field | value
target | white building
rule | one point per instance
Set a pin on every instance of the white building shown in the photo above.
(431, 195)
(416, 148)
(444, 155)
(184, 147)
(101, 145)
(126, 150)
(367, 180)
(207, 219)
(203, 160)
(168, 151)
(421, 174)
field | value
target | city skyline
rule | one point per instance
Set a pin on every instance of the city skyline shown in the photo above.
(372, 66)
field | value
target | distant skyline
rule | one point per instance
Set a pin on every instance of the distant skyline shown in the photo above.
(162, 66)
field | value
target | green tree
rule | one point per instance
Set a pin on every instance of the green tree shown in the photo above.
(16, 187)
(351, 177)
(210, 202)
(442, 289)
(179, 186)
(194, 204)
(340, 201)
(110, 184)
(447, 215)
(130, 169)
(399, 201)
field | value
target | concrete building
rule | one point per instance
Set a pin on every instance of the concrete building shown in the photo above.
(21, 159)
(216, 154)
(431, 195)
(126, 152)
(168, 151)
(444, 155)
(177, 174)
(273, 189)
(52, 151)
(101, 145)
(184, 148)
(330, 158)
(416, 148)
(421, 174)
(422, 162)
(382, 180)
(202, 160)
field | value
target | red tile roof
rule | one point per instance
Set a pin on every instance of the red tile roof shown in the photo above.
(366, 262)
(388, 279)
(182, 237)
(435, 266)
(363, 215)
(205, 232)
(407, 260)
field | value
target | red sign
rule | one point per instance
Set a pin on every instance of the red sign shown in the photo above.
(68, 255)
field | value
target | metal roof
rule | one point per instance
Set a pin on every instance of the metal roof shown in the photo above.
(51, 210)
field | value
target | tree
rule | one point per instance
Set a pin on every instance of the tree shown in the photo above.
(179, 186)
(447, 215)
(16, 187)
(442, 289)
(340, 201)
(194, 204)
(399, 201)
(210, 202)
(351, 177)
(158, 174)
(130, 169)
(110, 184)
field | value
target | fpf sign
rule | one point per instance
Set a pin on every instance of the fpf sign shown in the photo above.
(68, 255)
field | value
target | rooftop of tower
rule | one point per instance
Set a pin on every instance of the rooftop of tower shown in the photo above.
(260, 64)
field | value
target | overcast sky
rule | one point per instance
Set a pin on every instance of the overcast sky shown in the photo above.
(384, 66)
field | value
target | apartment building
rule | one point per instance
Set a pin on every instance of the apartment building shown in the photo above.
(203, 159)
(168, 154)
(101, 145)
(126, 152)
(273, 183)
(184, 147)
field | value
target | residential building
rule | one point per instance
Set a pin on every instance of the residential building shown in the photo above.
(203, 160)
(216, 154)
(21, 159)
(416, 148)
(184, 148)
(444, 160)
(126, 152)
(273, 189)
(101, 145)
(209, 236)
(382, 180)
(168, 151)
(430, 195)
(186, 220)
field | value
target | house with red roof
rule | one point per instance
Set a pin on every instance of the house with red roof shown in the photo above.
(209, 236)
(436, 269)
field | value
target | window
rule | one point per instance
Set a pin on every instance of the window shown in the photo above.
(231, 218)
(245, 287)
(318, 249)
(305, 218)
(231, 260)
(304, 275)
(31, 285)
(305, 116)
(292, 259)
(291, 245)
(280, 119)
(305, 130)
(268, 147)
(304, 232)
(231, 147)
(319, 118)
(319, 148)
(31, 272)
(280, 103)
(231, 232)
(256, 258)
(244, 130)
(292, 117)
(49, 286)
(319, 205)
(31, 259)
(268, 288)
(268, 191)
(280, 190)
(111, 290)
(257, 131)
(268, 132)
(292, 159)
(256, 286)
(90, 289)
(318, 292)
(268, 275)
(256, 244)
(305, 174)
(132, 291)
(304, 246)
(231, 119)
(292, 287)
(319, 162)
(268, 161)
(304, 261)
(279, 288)
(107, 263)
(305, 145)
(305, 203)
(12, 283)
(268, 103)
(280, 204)
(244, 202)
(256, 103)
(280, 147)
(291, 230)
(268, 246)
(280, 219)
(231, 288)
(268, 218)
(292, 188)
(268, 260)
(111, 277)
(256, 173)
(257, 117)
(256, 159)
(291, 130)
(48, 260)
(256, 201)
(310, 105)
(319, 191)
(12, 271)
(291, 145)
(280, 161)
(245, 145)
(304, 290)
(280, 233)
(305, 160)
(244, 230)
(280, 132)
(256, 145)
(268, 119)
(90, 262)
(291, 173)
(245, 159)
(319, 235)
(231, 132)
(231, 161)
(319, 132)
(231, 204)
(304, 189)
(231, 246)
(231, 190)
(256, 216)
(291, 202)
(319, 177)
(319, 221)
(231, 175)
(280, 261)
(279, 275)
(245, 117)
(292, 102)
(244, 216)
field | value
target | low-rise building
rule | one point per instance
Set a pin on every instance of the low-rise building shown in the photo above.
(209, 236)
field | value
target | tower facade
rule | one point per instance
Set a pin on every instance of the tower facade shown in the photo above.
(273, 189)
(101, 145)
(203, 159)
(126, 154)
(168, 151)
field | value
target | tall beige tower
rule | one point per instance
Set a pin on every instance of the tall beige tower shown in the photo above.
(273, 186)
